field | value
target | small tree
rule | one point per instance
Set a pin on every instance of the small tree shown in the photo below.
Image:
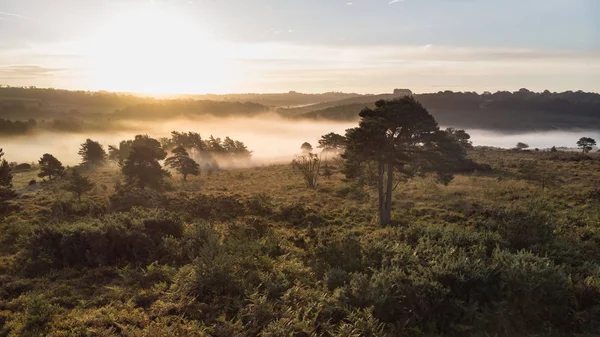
(306, 148)
(6, 191)
(141, 168)
(114, 155)
(78, 184)
(92, 153)
(521, 146)
(553, 149)
(50, 167)
(462, 137)
(5, 172)
(332, 142)
(309, 166)
(586, 144)
(181, 162)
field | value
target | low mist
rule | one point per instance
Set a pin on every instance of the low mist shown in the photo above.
(538, 139)
(271, 138)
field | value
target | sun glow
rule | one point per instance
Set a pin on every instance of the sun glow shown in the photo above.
(157, 48)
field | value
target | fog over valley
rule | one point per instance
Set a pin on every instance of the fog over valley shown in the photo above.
(272, 139)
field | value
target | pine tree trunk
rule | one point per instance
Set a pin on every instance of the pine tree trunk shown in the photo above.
(388, 193)
(385, 196)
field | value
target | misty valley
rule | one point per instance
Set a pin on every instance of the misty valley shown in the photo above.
(446, 214)
(308, 168)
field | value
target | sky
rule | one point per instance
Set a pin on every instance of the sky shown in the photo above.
(366, 46)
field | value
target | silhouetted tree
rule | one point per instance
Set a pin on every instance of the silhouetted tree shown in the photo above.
(236, 149)
(141, 168)
(521, 146)
(189, 140)
(181, 162)
(50, 167)
(6, 187)
(78, 184)
(553, 149)
(5, 172)
(92, 153)
(462, 137)
(586, 144)
(306, 148)
(332, 142)
(400, 136)
(114, 155)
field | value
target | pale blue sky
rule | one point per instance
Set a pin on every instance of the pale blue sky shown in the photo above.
(306, 45)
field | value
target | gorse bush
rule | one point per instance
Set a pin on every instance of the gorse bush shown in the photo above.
(111, 240)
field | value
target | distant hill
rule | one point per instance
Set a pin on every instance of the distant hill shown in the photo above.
(505, 111)
(189, 108)
(351, 101)
(522, 110)
(289, 99)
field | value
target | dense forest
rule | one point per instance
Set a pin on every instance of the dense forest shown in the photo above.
(396, 228)
(25, 110)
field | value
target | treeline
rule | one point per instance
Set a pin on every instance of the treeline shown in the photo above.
(183, 108)
(45, 96)
(66, 124)
(291, 98)
(503, 110)
(139, 160)
(209, 153)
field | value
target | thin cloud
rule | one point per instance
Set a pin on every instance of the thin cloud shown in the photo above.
(12, 15)
(395, 1)
(26, 71)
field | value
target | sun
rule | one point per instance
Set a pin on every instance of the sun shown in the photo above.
(156, 48)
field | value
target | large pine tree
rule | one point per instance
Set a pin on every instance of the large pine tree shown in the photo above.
(399, 136)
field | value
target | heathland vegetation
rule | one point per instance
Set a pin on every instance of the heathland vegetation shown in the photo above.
(396, 228)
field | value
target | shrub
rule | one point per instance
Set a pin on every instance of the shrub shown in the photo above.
(127, 197)
(309, 166)
(336, 278)
(341, 251)
(260, 204)
(524, 227)
(112, 240)
(218, 207)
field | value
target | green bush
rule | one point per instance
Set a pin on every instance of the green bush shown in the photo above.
(126, 197)
(111, 240)
(214, 207)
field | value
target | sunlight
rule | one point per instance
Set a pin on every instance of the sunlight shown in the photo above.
(157, 48)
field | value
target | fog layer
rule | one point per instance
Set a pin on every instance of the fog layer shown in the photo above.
(271, 138)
